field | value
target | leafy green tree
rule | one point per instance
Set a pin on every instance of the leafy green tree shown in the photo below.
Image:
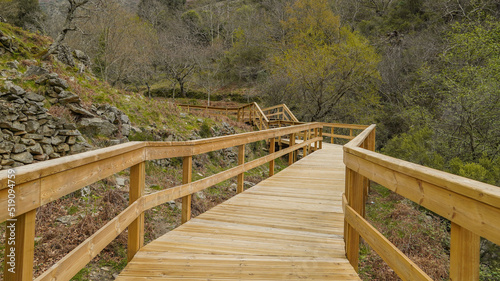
(322, 65)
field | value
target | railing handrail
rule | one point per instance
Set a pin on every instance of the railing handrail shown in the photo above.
(473, 207)
(135, 152)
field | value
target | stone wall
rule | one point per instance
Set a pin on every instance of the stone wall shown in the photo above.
(29, 133)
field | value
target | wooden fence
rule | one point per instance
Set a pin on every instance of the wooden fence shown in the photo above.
(250, 113)
(472, 207)
(44, 182)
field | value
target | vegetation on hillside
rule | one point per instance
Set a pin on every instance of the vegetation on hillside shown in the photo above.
(425, 71)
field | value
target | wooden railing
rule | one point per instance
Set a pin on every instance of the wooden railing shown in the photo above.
(250, 113)
(279, 112)
(38, 184)
(472, 207)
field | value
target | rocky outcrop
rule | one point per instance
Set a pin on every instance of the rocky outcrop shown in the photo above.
(29, 133)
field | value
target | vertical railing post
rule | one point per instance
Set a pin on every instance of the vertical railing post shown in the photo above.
(20, 229)
(321, 135)
(241, 161)
(316, 143)
(272, 147)
(305, 148)
(136, 228)
(331, 138)
(291, 155)
(187, 172)
(355, 199)
(464, 254)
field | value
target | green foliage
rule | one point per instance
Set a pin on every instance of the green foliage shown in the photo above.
(415, 146)
(205, 131)
(324, 68)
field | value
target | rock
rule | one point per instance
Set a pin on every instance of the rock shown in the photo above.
(68, 97)
(57, 140)
(41, 157)
(13, 64)
(120, 181)
(33, 136)
(64, 55)
(71, 140)
(77, 148)
(6, 147)
(32, 126)
(183, 115)
(17, 164)
(81, 55)
(69, 126)
(200, 195)
(18, 148)
(111, 116)
(69, 133)
(54, 155)
(63, 147)
(248, 184)
(28, 142)
(58, 82)
(34, 70)
(76, 108)
(20, 133)
(67, 220)
(7, 162)
(17, 126)
(24, 157)
(35, 149)
(5, 124)
(34, 97)
(48, 149)
(96, 126)
(124, 118)
(46, 141)
(233, 187)
(46, 131)
(14, 89)
(126, 129)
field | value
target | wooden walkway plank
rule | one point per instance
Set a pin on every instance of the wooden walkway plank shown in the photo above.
(288, 227)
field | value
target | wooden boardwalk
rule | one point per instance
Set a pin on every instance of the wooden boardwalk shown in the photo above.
(287, 227)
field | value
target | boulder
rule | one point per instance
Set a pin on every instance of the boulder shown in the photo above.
(14, 89)
(34, 97)
(96, 126)
(34, 70)
(58, 82)
(68, 97)
(25, 157)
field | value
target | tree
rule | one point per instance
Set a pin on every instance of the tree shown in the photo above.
(23, 13)
(69, 25)
(322, 64)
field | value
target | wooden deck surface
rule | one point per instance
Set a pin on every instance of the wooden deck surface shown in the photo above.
(287, 227)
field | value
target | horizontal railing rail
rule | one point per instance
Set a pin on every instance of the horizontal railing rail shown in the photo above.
(41, 183)
(472, 207)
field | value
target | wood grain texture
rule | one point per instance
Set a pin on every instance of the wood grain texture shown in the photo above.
(464, 254)
(136, 228)
(399, 262)
(288, 227)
